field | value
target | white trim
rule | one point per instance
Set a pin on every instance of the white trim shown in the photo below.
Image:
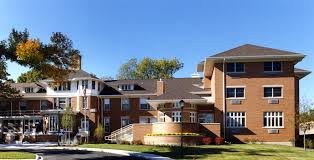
(272, 86)
(235, 116)
(275, 117)
(235, 93)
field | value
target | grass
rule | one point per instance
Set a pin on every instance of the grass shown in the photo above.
(221, 152)
(16, 155)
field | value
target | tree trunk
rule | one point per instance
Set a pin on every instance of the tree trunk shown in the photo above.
(304, 140)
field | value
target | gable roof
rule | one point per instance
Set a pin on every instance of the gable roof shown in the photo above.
(249, 50)
(301, 72)
(40, 86)
(77, 74)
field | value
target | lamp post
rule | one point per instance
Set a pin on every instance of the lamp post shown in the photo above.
(84, 107)
(181, 146)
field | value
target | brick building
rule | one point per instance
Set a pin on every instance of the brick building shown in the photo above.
(246, 93)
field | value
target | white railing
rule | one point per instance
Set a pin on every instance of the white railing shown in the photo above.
(123, 134)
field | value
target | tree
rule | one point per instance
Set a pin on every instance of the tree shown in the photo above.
(54, 59)
(67, 122)
(305, 119)
(30, 76)
(149, 68)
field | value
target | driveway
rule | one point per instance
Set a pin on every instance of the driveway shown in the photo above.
(74, 154)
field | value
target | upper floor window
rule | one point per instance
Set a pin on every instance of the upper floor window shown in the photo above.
(63, 86)
(235, 67)
(273, 119)
(43, 105)
(84, 84)
(62, 103)
(126, 87)
(206, 117)
(176, 116)
(125, 106)
(84, 103)
(193, 117)
(235, 92)
(272, 92)
(106, 104)
(143, 104)
(272, 66)
(176, 105)
(236, 119)
(29, 90)
(93, 85)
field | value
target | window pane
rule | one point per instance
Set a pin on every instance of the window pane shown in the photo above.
(230, 92)
(240, 92)
(239, 67)
(277, 91)
(268, 66)
(276, 66)
(230, 67)
(267, 92)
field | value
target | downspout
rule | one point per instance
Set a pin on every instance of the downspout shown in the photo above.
(224, 97)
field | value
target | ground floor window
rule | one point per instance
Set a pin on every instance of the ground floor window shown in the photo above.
(193, 117)
(162, 117)
(236, 119)
(83, 122)
(125, 121)
(53, 123)
(107, 124)
(176, 116)
(206, 118)
(273, 119)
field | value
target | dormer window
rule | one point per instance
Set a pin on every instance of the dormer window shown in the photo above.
(63, 86)
(272, 66)
(126, 87)
(235, 67)
(29, 90)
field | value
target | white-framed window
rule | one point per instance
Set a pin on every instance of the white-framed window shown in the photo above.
(126, 87)
(193, 118)
(84, 103)
(29, 90)
(125, 120)
(236, 120)
(63, 86)
(125, 104)
(236, 67)
(176, 116)
(43, 105)
(107, 124)
(272, 91)
(176, 105)
(273, 120)
(162, 117)
(206, 117)
(53, 123)
(83, 124)
(62, 103)
(93, 85)
(153, 119)
(23, 105)
(272, 66)
(70, 103)
(235, 92)
(143, 104)
(106, 104)
(84, 84)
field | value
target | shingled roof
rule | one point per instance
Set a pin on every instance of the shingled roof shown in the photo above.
(78, 74)
(248, 50)
(40, 92)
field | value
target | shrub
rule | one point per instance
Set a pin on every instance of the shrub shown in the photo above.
(219, 140)
(307, 143)
(207, 140)
(311, 144)
(137, 142)
(99, 134)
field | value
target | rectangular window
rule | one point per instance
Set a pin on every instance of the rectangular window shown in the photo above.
(143, 104)
(126, 87)
(29, 90)
(176, 105)
(84, 103)
(63, 86)
(193, 117)
(206, 117)
(272, 92)
(70, 102)
(176, 116)
(107, 105)
(93, 85)
(125, 121)
(235, 92)
(98, 86)
(273, 119)
(83, 122)
(62, 103)
(84, 84)
(53, 123)
(236, 120)
(107, 124)
(43, 105)
(23, 105)
(272, 66)
(77, 84)
(235, 67)
(125, 106)
(162, 117)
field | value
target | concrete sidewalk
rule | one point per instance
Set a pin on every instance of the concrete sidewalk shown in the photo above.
(50, 146)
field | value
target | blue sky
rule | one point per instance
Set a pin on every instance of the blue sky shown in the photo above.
(109, 33)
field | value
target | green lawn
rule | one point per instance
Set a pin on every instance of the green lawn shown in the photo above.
(222, 152)
(16, 155)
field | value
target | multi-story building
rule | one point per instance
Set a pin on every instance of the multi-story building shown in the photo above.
(246, 93)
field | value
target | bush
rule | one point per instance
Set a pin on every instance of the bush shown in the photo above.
(207, 140)
(219, 140)
(99, 134)
(137, 142)
(311, 144)
(307, 143)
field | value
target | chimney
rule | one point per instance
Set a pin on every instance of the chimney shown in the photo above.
(77, 59)
(160, 87)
